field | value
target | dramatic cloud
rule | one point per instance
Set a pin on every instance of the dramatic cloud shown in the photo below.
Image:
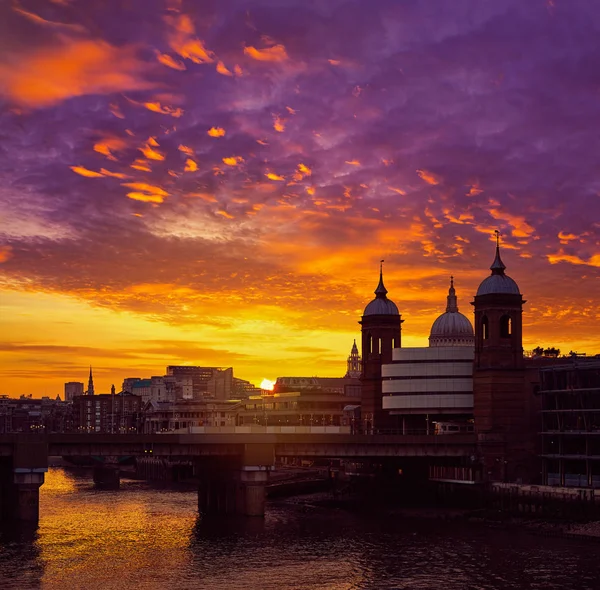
(217, 182)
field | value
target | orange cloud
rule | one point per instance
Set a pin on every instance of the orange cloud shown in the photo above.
(272, 176)
(397, 190)
(5, 253)
(143, 186)
(163, 109)
(353, 162)
(233, 160)
(222, 69)
(182, 41)
(429, 177)
(278, 123)
(275, 53)
(186, 150)
(107, 145)
(146, 192)
(304, 169)
(142, 165)
(216, 132)
(145, 197)
(150, 152)
(520, 228)
(225, 214)
(85, 172)
(190, 165)
(334, 62)
(106, 172)
(167, 60)
(565, 238)
(560, 256)
(74, 68)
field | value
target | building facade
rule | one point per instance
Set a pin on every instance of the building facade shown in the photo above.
(570, 424)
(107, 412)
(73, 388)
(213, 382)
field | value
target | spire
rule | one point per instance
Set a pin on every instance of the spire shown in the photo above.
(498, 266)
(90, 383)
(381, 291)
(354, 348)
(452, 301)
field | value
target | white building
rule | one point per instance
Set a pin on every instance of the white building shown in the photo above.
(424, 386)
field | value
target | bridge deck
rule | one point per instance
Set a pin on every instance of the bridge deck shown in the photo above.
(220, 444)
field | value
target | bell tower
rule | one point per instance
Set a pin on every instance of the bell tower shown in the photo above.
(500, 399)
(381, 328)
(498, 319)
(354, 363)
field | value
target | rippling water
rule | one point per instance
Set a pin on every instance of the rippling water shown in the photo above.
(145, 538)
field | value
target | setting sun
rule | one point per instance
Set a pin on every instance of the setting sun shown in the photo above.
(266, 384)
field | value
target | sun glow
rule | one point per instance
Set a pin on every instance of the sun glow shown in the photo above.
(267, 385)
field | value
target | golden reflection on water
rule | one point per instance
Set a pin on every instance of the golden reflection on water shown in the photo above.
(100, 539)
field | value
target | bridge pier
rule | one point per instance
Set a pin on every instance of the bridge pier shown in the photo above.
(241, 492)
(20, 480)
(107, 476)
(252, 491)
(235, 485)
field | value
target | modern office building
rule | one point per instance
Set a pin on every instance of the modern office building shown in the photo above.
(570, 394)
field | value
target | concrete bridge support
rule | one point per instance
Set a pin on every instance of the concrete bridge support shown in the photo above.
(235, 485)
(106, 476)
(20, 480)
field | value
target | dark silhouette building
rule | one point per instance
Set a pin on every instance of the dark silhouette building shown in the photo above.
(503, 401)
(381, 333)
(570, 393)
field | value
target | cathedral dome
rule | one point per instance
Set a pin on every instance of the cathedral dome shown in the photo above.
(452, 328)
(381, 305)
(498, 282)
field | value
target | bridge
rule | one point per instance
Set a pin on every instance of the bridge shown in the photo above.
(233, 467)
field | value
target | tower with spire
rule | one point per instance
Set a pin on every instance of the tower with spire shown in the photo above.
(90, 389)
(354, 363)
(500, 396)
(381, 333)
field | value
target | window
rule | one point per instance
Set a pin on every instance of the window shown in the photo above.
(505, 326)
(485, 328)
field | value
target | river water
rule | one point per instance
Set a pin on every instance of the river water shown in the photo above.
(145, 538)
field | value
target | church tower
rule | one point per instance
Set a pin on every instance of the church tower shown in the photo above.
(381, 327)
(90, 389)
(500, 400)
(354, 363)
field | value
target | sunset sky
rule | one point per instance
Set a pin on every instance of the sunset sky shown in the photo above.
(214, 182)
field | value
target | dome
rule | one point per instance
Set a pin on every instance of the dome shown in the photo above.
(381, 305)
(498, 282)
(452, 328)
